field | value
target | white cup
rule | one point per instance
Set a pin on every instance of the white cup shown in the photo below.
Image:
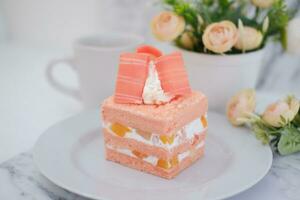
(95, 60)
(219, 77)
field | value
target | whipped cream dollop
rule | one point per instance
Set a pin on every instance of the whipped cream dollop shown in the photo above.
(153, 92)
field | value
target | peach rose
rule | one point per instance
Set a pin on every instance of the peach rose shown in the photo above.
(220, 37)
(263, 3)
(240, 105)
(249, 38)
(287, 109)
(187, 40)
(167, 26)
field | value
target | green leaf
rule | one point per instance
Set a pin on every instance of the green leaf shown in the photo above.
(283, 38)
(296, 120)
(261, 134)
(208, 2)
(224, 4)
(290, 140)
(279, 18)
(170, 2)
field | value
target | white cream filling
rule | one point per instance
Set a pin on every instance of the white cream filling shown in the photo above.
(152, 159)
(186, 133)
(153, 92)
(124, 151)
(193, 128)
(183, 155)
(200, 144)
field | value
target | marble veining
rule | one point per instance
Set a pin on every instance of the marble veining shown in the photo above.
(287, 172)
(22, 180)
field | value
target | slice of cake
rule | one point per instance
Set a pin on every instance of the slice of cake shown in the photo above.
(154, 122)
(161, 140)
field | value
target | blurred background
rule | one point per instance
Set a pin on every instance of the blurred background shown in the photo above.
(34, 32)
(57, 23)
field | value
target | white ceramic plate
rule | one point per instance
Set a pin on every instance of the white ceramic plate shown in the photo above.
(70, 154)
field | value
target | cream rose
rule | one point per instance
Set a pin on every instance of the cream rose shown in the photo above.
(263, 3)
(187, 40)
(240, 105)
(220, 37)
(249, 38)
(287, 109)
(167, 26)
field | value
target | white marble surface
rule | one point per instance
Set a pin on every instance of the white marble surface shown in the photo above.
(19, 179)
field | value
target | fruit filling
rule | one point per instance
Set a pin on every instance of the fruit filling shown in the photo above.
(139, 154)
(189, 132)
(119, 129)
(204, 121)
(167, 139)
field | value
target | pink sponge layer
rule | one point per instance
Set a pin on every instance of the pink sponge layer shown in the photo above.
(141, 165)
(163, 119)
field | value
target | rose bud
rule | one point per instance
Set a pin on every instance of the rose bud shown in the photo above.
(187, 40)
(167, 26)
(249, 39)
(278, 114)
(220, 37)
(240, 106)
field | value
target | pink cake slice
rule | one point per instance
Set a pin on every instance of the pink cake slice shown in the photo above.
(161, 119)
(161, 140)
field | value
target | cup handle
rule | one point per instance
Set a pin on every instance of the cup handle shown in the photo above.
(57, 85)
